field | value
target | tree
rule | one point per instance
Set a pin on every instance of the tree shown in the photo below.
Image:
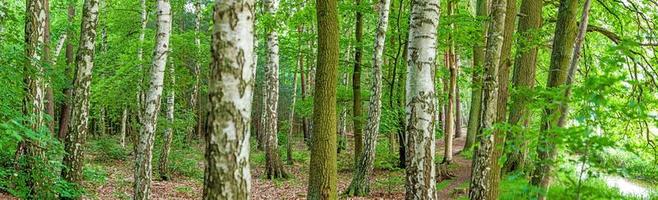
(78, 126)
(146, 137)
(482, 11)
(65, 108)
(274, 166)
(194, 99)
(231, 90)
(562, 57)
(360, 185)
(481, 172)
(420, 101)
(356, 84)
(322, 185)
(451, 64)
(169, 132)
(523, 81)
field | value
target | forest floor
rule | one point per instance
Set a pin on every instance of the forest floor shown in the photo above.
(115, 178)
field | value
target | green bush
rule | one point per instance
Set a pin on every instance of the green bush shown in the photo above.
(107, 149)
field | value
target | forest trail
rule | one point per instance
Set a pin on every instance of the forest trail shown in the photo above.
(460, 168)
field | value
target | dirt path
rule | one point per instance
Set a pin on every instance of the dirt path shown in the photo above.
(461, 168)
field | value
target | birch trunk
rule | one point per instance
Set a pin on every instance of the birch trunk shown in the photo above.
(78, 126)
(146, 137)
(273, 160)
(231, 88)
(482, 169)
(124, 124)
(194, 100)
(322, 185)
(360, 185)
(482, 12)
(420, 101)
(169, 133)
(523, 81)
(140, 59)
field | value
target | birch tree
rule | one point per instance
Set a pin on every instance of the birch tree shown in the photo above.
(274, 166)
(149, 119)
(78, 126)
(481, 171)
(194, 99)
(163, 167)
(420, 101)
(360, 185)
(231, 88)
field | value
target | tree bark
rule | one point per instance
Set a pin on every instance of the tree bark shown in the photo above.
(231, 88)
(274, 166)
(124, 127)
(451, 64)
(481, 173)
(76, 138)
(194, 97)
(291, 120)
(482, 11)
(356, 84)
(322, 185)
(523, 82)
(65, 109)
(144, 151)
(163, 167)
(140, 59)
(421, 101)
(554, 116)
(501, 107)
(360, 185)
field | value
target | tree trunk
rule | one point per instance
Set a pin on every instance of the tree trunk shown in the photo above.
(554, 116)
(450, 60)
(124, 124)
(523, 81)
(501, 108)
(274, 166)
(194, 97)
(291, 120)
(322, 184)
(140, 60)
(482, 12)
(356, 85)
(360, 185)
(420, 101)
(169, 133)
(481, 172)
(231, 88)
(458, 108)
(65, 112)
(144, 153)
(75, 139)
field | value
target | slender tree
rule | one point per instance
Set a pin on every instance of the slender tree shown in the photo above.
(163, 168)
(482, 11)
(194, 97)
(420, 101)
(481, 172)
(360, 185)
(140, 57)
(291, 119)
(75, 139)
(322, 184)
(146, 137)
(65, 108)
(560, 75)
(357, 117)
(274, 166)
(523, 81)
(451, 64)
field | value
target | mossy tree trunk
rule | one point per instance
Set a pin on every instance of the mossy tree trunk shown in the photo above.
(322, 183)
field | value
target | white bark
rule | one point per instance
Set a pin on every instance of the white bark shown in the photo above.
(140, 58)
(169, 133)
(124, 121)
(197, 67)
(420, 103)
(144, 151)
(231, 88)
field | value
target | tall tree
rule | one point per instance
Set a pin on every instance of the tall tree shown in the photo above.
(523, 81)
(194, 99)
(78, 126)
(451, 64)
(501, 107)
(163, 167)
(274, 166)
(481, 172)
(561, 74)
(149, 119)
(322, 185)
(140, 58)
(231, 89)
(360, 185)
(356, 83)
(35, 85)
(420, 100)
(482, 11)
(65, 108)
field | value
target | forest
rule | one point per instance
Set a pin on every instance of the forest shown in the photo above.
(329, 99)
